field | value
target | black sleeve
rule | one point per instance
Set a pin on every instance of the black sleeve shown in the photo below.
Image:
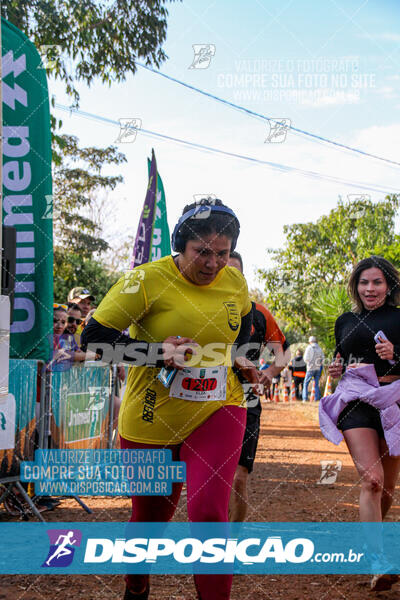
(95, 332)
(396, 352)
(337, 341)
(114, 346)
(245, 329)
(240, 347)
(338, 347)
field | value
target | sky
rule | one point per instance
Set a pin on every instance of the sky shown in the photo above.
(329, 68)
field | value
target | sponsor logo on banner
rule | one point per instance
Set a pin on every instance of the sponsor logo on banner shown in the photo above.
(83, 411)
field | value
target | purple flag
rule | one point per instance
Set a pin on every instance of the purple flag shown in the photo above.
(142, 247)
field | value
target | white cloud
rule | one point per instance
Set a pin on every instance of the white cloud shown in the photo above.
(388, 92)
(384, 36)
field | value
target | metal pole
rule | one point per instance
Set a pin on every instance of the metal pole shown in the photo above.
(42, 405)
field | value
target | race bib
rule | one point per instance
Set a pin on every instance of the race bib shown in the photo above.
(200, 385)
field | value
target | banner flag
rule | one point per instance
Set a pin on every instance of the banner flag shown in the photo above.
(27, 192)
(153, 237)
(22, 387)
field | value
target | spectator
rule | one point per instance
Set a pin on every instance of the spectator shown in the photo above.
(74, 320)
(63, 343)
(47, 503)
(83, 298)
(314, 358)
(65, 353)
(287, 379)
(65, 349)
(298, 368)
(275, 385)
(59, 319)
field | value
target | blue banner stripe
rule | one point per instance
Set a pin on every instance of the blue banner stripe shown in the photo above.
(175, 548)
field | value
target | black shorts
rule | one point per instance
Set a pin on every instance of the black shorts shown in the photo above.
(358, 414)
(250, 441)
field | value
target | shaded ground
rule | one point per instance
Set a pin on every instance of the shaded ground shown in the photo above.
(283, 487)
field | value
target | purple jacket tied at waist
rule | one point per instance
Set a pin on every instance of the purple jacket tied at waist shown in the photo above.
(362, 383)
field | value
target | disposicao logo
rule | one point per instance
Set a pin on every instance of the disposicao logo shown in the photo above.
(62, 547)
(192, 550)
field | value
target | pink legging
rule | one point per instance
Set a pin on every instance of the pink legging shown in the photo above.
(211, 454)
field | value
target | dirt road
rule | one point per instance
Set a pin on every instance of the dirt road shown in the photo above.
(283, 487)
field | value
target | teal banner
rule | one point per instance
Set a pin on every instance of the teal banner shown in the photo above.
(27, 192)
(175, 548)
(23, 386)
(80, 400)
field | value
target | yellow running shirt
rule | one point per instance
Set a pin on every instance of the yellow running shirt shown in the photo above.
(157, 301)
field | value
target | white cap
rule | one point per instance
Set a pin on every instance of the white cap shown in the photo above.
(312, 339)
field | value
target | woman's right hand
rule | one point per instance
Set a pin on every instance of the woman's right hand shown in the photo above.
(335, 369)
(177, 350)
(252, 375)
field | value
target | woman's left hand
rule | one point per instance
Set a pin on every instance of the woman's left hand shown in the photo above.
(385, 350)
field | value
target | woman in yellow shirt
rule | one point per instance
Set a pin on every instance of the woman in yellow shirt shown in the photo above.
(192, 297)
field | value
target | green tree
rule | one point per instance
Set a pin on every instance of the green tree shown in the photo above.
(71, 270)
(75, 182)
(329, 304)
(390, 251)
(84, 40)
(320, 255)
(78, 241)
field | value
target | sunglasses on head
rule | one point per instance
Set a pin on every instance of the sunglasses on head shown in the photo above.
(62, 306)
(73, 320)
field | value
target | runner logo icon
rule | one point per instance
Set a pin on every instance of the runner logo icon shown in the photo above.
(61, 551)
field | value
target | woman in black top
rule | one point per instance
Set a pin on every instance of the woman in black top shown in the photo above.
(374, 287)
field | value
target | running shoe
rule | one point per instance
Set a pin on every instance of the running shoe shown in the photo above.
(44, 503)
(46, 500)
(384, 582)
(142, 596)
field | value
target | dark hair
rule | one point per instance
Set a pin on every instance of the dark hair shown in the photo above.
(238, 257)
(390, 273)
(218, 223)
(73, 306)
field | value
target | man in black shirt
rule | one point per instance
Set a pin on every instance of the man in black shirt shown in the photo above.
(266, 333)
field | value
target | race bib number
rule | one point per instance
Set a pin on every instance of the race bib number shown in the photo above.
(200, 385)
